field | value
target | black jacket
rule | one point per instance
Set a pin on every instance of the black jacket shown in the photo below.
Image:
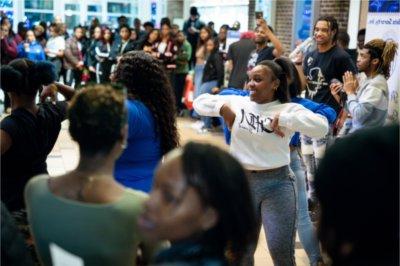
(116, 48)
(214, 69)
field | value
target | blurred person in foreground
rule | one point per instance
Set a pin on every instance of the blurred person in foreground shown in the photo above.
(357, 185)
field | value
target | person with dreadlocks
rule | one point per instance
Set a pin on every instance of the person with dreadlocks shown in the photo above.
(367, 103)
(321, 68)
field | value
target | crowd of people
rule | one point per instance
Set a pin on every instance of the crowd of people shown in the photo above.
(306, 135)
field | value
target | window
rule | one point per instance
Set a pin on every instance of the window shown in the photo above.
(72, 21)
(123, 8)
(33, 17)
(39, 4)
(94, 8)
(72, 7)
(6, 3)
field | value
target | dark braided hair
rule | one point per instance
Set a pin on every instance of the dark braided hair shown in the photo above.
(145, 80)
(332, 24)
(385, 51)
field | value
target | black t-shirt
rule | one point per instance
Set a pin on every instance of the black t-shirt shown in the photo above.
(33, 138)
(239, 53)
(256, 57)
(321, 69)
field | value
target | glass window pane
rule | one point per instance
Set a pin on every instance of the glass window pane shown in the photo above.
(72, 7)
(94, 8)
(72, 21)
(32, 17)
(6, 3)
(135, 11)
(39, 4)
(119, 8)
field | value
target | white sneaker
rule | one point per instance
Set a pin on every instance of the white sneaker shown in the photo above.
(197, 125)
(203, 130)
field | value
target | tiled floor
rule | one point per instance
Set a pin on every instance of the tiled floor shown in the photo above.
(64, 157)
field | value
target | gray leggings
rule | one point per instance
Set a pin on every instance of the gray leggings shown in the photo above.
(274, 196)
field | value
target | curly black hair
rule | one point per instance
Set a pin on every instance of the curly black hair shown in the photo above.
(24, 76)
(145, 80)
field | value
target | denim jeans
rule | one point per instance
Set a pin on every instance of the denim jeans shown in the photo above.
(274, 198)
(206, 87)
(307, 233)
(198, 77)
(313, 150)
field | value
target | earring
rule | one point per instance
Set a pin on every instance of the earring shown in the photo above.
(124, 145)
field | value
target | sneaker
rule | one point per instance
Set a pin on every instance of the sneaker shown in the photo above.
(197, 125)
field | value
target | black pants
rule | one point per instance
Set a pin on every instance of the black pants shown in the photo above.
(104, 69)
(57, 62)
(74, 74)
(179, 85)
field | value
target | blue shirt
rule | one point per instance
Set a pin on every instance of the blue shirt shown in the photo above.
(318, 108)
(136, 165)
(34, 53)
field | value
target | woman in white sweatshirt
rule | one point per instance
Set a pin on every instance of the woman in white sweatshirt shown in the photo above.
(262, 126)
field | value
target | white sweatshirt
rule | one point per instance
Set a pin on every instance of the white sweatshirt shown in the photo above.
(369, 107)
(253, 143)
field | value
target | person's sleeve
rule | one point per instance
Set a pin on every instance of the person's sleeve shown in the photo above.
(9, 126)
(188, 48)
(219, 67)
(229, 55)
(14, 249)
(69, 56)
(61, 109)
(114, 51)
(186, 27)
(21, 51)
(210, 105)
(185, 54)
(61, 44)
(300, 119)
(326, 111)
(10, 47)
(361, 109)
(101, 54)
(133, 119)
(343, 64)
(305, 68)
(42, 55)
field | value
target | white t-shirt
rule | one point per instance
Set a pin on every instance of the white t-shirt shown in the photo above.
(55, 44)
(253, 143)
(162, 46)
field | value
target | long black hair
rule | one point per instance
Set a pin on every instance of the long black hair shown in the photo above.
(295, 85)
(145, 80)
(24, 76)
(282, 92)
(221, 183)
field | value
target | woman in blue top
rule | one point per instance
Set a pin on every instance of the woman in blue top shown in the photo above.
(151, 119)
(30, 48)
